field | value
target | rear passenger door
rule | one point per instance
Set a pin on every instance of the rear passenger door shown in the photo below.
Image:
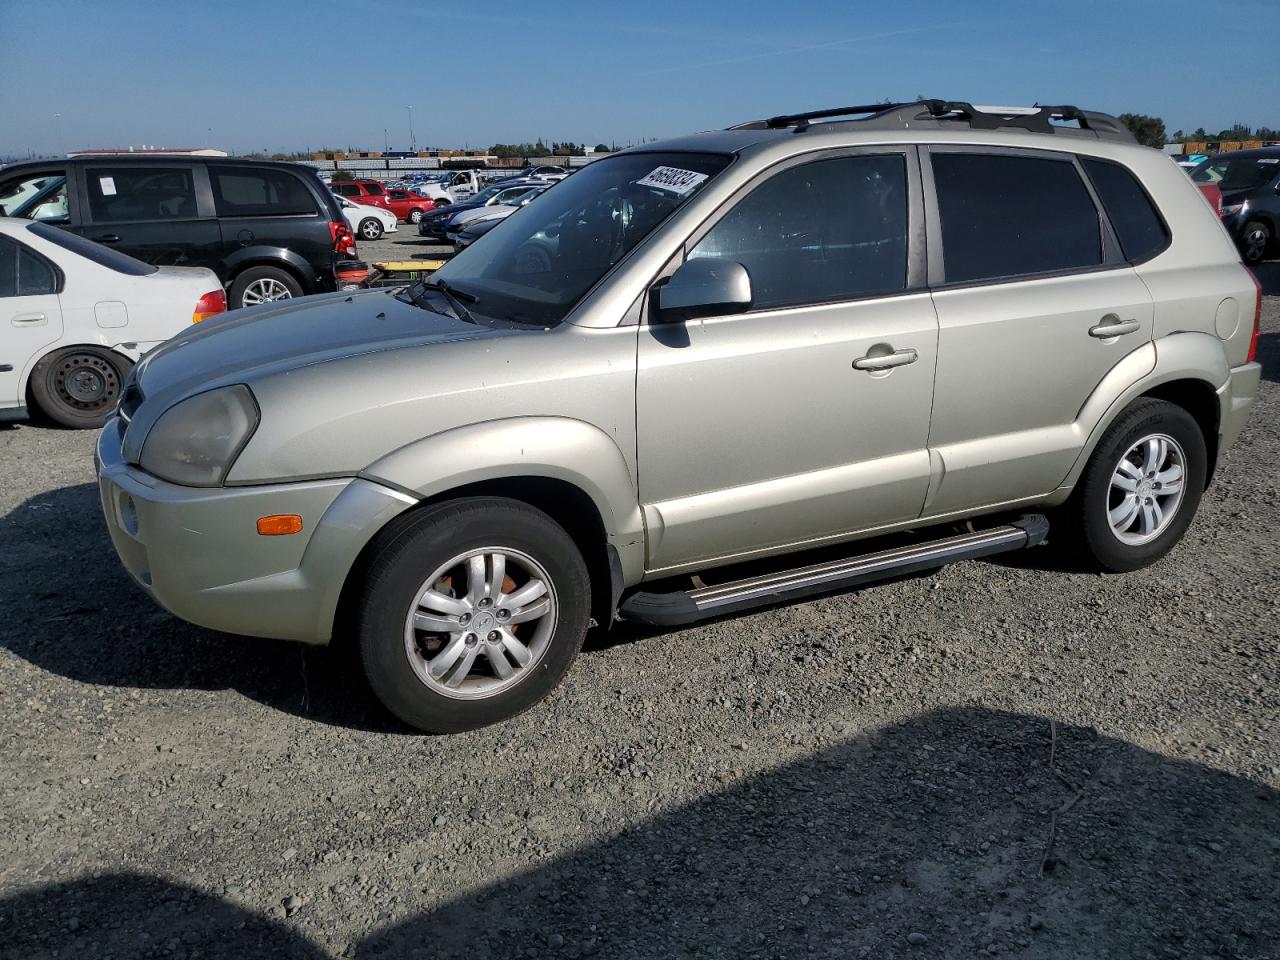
(1036, 303)
(30, 314)
(269, 207)
(158, 213)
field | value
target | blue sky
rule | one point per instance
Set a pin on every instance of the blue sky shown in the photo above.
(287, 74)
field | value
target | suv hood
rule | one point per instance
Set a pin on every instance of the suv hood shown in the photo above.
(277, 337)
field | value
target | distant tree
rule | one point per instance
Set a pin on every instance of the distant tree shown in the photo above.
(1147, 130)
(1179, 136)
(602, 148)
(341, 175)
(1199, 134)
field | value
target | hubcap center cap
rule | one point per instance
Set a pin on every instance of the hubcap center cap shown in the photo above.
(1145, 488)
(483, 622)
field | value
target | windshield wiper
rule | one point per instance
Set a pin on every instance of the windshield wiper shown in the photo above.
(458, 299)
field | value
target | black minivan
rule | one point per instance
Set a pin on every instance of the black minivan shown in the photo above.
(269, 230)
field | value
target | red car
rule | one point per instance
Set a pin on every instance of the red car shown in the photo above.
(408, 207)
(363, 191)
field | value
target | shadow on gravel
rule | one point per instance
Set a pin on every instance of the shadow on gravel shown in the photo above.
(1269, 356)
(74, 611)
(1268, 275)
(947, 835)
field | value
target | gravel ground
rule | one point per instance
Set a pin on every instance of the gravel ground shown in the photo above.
(999, 759)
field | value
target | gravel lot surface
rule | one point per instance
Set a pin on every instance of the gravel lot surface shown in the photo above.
(1000, 759)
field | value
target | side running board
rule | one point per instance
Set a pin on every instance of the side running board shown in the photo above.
(679, 607)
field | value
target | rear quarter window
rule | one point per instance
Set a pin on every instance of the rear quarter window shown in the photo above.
(248, 192)
(1137, 222)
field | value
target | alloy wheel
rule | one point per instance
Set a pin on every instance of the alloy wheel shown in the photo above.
(265, 290)
(481, 623)
(1255, 244)
(1146, 489)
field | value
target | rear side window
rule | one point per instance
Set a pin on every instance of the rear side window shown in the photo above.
(373, 189)
(1136, 221)
(249, 192)
(822, 232)
(125, 194)
(1011, 216)
(346, 189)
(24, 273)
(102, 256)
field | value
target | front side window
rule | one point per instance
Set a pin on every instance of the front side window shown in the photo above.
(250, 192)
(1009, 216)
(1137, 223)
(535, 267)
(24, 273)
(822, 232)
(39, 196)
(124, 194)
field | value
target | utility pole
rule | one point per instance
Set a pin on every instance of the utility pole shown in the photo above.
(57, 133)
(386, 143)
(413, 143)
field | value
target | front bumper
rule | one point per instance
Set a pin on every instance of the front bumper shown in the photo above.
(1235, 397)
(198, 553)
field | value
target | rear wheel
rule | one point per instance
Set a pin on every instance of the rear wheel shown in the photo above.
(415, 215)
(80, 386)
(473, 611)
(263, 285)
(1139, 491)
(1254, 240)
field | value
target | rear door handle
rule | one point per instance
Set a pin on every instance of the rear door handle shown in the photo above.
(108, 238)
(885, 361)
(29, 320)
(1113, 326)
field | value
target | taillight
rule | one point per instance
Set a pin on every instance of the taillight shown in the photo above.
(210, 305)
(1257, 320)
(1213, 195)
(343, 242)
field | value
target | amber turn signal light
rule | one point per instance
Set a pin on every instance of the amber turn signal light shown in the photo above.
(279, 524)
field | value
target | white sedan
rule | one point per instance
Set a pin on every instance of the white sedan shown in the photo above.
(75, 316)
(366, 221)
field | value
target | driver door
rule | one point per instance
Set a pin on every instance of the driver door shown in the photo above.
(769, 429)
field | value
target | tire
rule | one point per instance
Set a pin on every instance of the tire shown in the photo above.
(449, 680)
(370, 229)
(1255, 238)
(415, 216)
(1084, 525)
(79, 387)
(263, 285)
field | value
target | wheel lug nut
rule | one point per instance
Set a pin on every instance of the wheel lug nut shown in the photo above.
(503, 614)
(464, 619)
(484, 602)
(470, 639)
(493, 636)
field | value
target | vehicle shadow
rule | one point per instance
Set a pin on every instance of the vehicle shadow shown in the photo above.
(1269, 356)
(957, 833)
(1268, 275)
(74, 611)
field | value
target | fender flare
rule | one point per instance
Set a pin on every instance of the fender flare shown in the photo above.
(1178, 356)
(558, 448)
(258, 255)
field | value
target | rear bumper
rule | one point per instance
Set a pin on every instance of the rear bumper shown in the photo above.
(197, 551)
(1235, 398)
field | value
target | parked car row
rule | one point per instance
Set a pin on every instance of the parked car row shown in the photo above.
(493, 202)
(1248, 182)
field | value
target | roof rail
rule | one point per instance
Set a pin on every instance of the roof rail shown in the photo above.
(940, 114)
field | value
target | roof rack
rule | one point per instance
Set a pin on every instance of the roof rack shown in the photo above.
(940, 114)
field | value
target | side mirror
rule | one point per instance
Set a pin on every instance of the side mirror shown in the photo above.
(704, 287)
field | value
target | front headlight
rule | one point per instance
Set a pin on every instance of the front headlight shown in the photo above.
(1231, 209)
(195, 442)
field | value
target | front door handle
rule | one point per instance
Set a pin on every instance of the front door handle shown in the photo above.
(885, 361)
(1113, 326)
(108, 238)
(29, 320)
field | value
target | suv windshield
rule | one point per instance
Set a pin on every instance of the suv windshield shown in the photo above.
(536, 266)
(1237, 173)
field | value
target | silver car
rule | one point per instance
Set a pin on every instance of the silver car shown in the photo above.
(732, 369)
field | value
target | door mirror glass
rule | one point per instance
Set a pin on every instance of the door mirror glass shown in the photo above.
(705, 288)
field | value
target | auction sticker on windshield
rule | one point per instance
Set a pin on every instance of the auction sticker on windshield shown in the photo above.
(673, 179)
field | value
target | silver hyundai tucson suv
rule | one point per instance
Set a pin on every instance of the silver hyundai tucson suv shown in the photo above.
(730, 369)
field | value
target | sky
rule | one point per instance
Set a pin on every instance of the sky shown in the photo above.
(285, 75)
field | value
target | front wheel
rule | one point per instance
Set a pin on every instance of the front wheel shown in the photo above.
(80, 386)
(1139, 491)
(473, 611)
(1254, 240)
(370, 228)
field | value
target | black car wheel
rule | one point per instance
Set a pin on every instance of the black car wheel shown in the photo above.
(79, 387)
(1254, 240)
